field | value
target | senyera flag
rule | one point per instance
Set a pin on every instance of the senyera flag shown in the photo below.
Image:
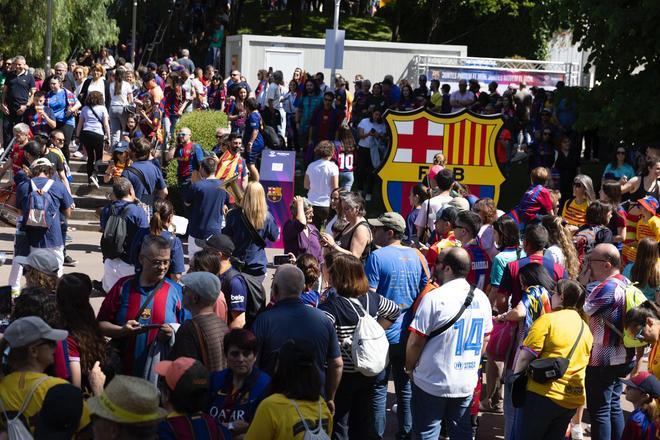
(466, 139)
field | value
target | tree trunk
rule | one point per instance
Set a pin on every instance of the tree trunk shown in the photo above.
(435, 19)
(296, 17)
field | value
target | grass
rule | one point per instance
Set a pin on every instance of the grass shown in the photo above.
(314, 24)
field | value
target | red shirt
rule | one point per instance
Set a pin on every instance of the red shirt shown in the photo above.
(510, 284)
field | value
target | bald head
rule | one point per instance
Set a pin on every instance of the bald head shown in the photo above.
(288, 282)
(604, 261)
(458, 260)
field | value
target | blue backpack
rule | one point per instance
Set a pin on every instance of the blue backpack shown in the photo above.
(38, 205)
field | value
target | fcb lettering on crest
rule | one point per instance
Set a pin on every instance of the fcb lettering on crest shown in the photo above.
(274, 193)
(467, 141)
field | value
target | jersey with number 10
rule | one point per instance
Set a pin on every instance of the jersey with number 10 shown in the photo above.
(449, 363)
(343, 159)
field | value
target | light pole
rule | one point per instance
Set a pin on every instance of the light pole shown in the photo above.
(49, 36)
(135, 2)
(335, 27)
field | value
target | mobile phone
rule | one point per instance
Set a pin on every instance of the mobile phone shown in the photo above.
(279, 260)
(148, 327)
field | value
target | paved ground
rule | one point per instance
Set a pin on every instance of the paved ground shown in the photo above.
(85, 248)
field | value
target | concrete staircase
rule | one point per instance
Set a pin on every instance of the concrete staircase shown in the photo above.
(87, 198)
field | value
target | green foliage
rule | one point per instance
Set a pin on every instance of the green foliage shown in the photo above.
(75, 23)
(623, 42)
(203, 126)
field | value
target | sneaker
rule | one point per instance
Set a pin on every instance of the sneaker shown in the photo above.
(70, 262)
(94, 181)
(576, 432)
(77, 155)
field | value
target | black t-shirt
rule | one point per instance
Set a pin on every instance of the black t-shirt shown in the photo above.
(55, 160)
(19, 88)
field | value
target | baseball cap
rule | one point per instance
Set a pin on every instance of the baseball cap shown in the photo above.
(184, 375)
(389, 220)
(649, 203)
(204, 284)
(25, 331)
(152, 65)
(221, 243)
(645, 382)
(435, 169)
(447, 213)
(40, 259)
(120, 147)
(60, 413)
(42, 161)
(460, 203)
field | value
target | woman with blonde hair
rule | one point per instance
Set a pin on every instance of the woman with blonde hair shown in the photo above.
(561, 249)
(574, 210)
(249, 226)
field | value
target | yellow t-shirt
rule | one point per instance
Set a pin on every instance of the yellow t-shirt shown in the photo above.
(575, 213)
(15, 387)
(650, 228)
(654, 361)
(553, 335)
(277, 419)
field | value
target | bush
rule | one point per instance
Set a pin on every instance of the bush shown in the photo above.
(202, 124)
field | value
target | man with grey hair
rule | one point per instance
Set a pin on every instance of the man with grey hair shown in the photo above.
(144, 307)
(186, 62)
(290, 319)
(462, 97)
(16, 95)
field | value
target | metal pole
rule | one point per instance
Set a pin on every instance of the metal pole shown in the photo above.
(335, 26)
(135, 2)
(49, 36)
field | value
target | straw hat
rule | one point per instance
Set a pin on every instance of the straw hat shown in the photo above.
(127, 400)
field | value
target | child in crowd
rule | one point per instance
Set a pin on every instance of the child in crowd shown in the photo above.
(536, 201)
(643, 390)
(119, 162)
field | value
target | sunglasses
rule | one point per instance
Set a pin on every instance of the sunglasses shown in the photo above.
(620, 152)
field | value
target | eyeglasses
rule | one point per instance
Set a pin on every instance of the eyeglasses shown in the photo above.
(218, 136)
(638, 336)
(57, 139)
(459, 227)
(51, 344)
(547, 134)
(620, 152)
(181, 134)
(158, 263)
(577, 184)
(328, 99)
(592, 260)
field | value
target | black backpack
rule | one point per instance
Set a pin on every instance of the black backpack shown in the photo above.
(115, 234)
(272, 140)
(256, 295)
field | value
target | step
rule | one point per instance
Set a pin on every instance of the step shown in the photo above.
(78, 166)
(84, 189)
(84, 225)
(87, 215)
(90, 201)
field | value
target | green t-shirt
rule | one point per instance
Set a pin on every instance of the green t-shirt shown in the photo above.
(217, 37)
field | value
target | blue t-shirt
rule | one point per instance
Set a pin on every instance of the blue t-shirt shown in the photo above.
(135, 218)
(311, 297)
(59, 103)
(177, 263)
(244, 405)
(648, 291)
(235, 291)
(396, 272)
(57, 198)
(252, 123)
(206, 199)
(292, 319)
(152, 175)
(617, 173)
(253, 255)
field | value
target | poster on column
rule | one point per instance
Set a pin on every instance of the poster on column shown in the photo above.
(467, 141)
(277, 175)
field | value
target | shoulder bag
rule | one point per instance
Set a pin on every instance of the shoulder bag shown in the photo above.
(549, 369)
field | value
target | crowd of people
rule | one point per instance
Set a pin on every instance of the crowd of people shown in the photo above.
(553, 302)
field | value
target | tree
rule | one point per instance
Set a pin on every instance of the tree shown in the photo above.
(622, 38)
(76, 23)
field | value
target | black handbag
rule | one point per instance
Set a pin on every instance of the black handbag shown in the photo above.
(549, 369)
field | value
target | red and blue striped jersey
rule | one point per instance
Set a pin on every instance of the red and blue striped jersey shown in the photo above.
(536, 201)
(123, 303)
(479, 275)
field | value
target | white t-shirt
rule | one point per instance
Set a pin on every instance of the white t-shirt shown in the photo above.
(449, 363)
(367, 125)
(122, 98)
(320, 174)
(556, 254)
(96, 86)
(91, 122)
(436, 203)
(461, 99)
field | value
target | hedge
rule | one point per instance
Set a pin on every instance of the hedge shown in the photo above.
(202, 125)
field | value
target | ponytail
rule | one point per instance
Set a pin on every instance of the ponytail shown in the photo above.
(163, 211)
(638, 315)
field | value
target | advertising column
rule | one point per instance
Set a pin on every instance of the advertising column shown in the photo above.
(278, 170)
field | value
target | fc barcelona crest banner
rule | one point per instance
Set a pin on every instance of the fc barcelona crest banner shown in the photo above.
(466, 140)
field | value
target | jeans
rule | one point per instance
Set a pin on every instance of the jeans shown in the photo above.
(169, 127)
(117, 122)
(603, 386)
(353, 415)
(346, 180)
(541, 418)
(429, 411)
(402, 387)
(509, 409)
